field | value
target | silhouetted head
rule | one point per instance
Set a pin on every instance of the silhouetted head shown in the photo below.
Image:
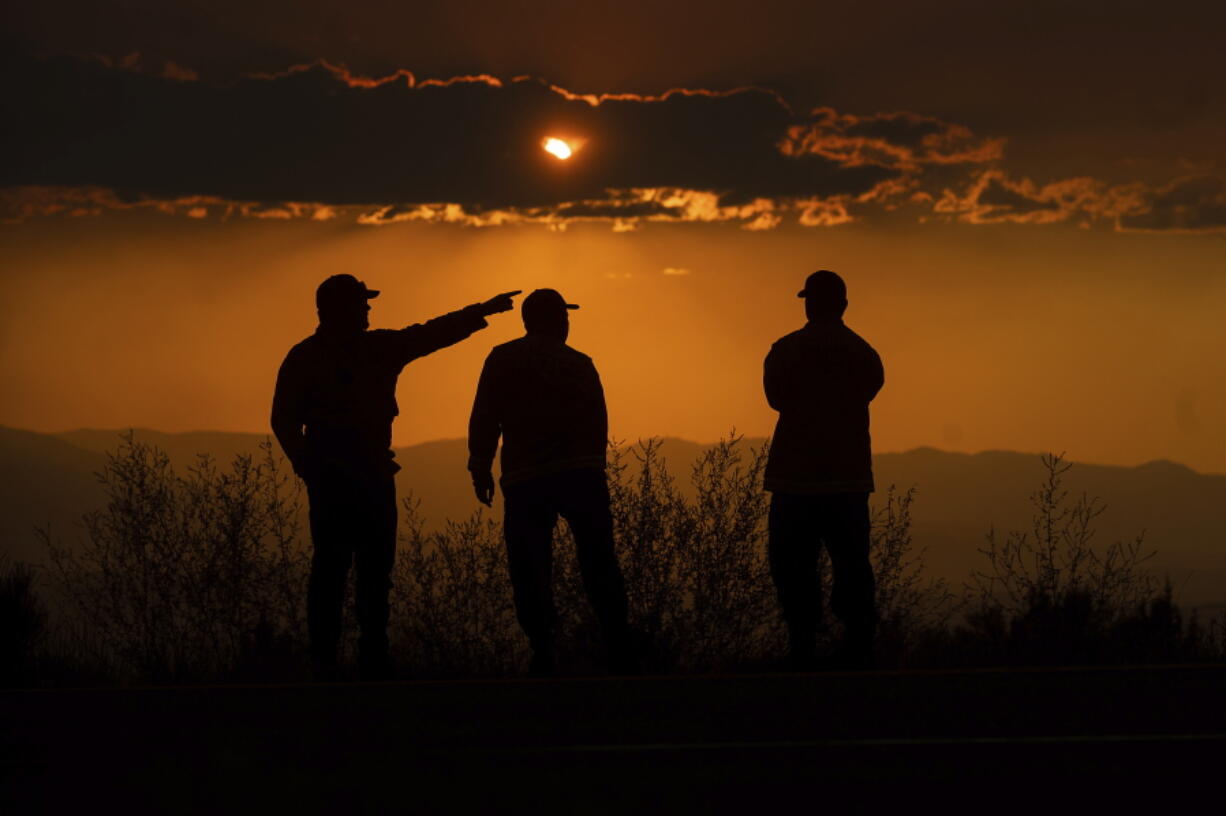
(547, 313)
(825, 296)
(342, 304)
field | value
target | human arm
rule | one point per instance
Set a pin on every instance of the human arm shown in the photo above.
(775, 378)
(484, 429)
(874, 377)
(287, 415)
(603, 409)
(424, 338)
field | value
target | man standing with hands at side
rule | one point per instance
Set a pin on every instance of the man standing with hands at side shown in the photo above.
(546, 402)
(821, 380)
(332, 414)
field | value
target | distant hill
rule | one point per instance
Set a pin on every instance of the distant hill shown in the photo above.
(44, 480)
(959, 496)
(182, 448)
(49, 478)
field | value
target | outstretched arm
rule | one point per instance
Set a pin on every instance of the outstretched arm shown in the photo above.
(423, 338)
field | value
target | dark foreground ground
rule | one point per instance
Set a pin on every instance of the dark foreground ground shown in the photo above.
(1058, 741)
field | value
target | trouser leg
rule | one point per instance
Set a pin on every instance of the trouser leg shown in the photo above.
(586, 509)
(846, 532)
(528, 525)
(330, 564)
(793, 548)
(375, 554)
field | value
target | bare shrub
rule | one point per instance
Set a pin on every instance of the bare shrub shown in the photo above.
(452, 613)
(1050, 594)
(910, 606)
(1056, 559)
(696, 572)
(188, 577)
(697, 577)
(203, 576)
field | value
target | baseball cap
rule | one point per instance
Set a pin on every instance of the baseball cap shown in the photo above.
(544, 302)
(342, 289)
(825, 285)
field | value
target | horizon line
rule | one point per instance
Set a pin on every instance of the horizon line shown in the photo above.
(629, 443)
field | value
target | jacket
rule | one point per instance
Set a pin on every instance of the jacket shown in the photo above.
(545, 400)
(335, 397)
(821, 380)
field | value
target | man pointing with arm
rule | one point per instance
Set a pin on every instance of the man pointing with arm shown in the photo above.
(332, 414)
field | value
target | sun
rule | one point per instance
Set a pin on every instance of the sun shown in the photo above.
(557, 147)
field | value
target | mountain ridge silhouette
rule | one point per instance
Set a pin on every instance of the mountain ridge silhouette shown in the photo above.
(49, 478)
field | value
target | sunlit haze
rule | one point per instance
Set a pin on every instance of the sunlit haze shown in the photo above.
(992, 337)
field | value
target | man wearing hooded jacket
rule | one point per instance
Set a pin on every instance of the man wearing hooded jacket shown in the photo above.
(545, 400)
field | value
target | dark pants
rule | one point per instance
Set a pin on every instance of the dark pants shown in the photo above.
(532, 509)
(353, 522)
(799, 526)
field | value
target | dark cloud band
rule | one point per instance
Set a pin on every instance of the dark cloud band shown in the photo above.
(316, 141)
(317, 134)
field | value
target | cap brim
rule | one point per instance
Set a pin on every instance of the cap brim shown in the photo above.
(372, 293)
(801, 293)
(572, 305)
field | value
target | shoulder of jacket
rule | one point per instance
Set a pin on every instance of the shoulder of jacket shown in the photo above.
(578, 355)
(856, 338)
(509, 347)
(788, 339)
(303, 348)
(503, 354)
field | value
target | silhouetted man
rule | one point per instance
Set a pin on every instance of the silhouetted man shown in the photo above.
(332, 413)
(821, 379)
(545, 400)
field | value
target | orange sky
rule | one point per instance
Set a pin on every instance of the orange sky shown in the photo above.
(1104, 345)
(1027, 200)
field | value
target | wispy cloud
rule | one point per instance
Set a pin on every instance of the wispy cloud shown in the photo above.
(1193, 204)
(1190, 204)
(902, 140)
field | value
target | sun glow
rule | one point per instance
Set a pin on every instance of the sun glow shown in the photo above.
(558, 148)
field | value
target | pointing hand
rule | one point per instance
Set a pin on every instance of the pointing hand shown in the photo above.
(500, 303)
